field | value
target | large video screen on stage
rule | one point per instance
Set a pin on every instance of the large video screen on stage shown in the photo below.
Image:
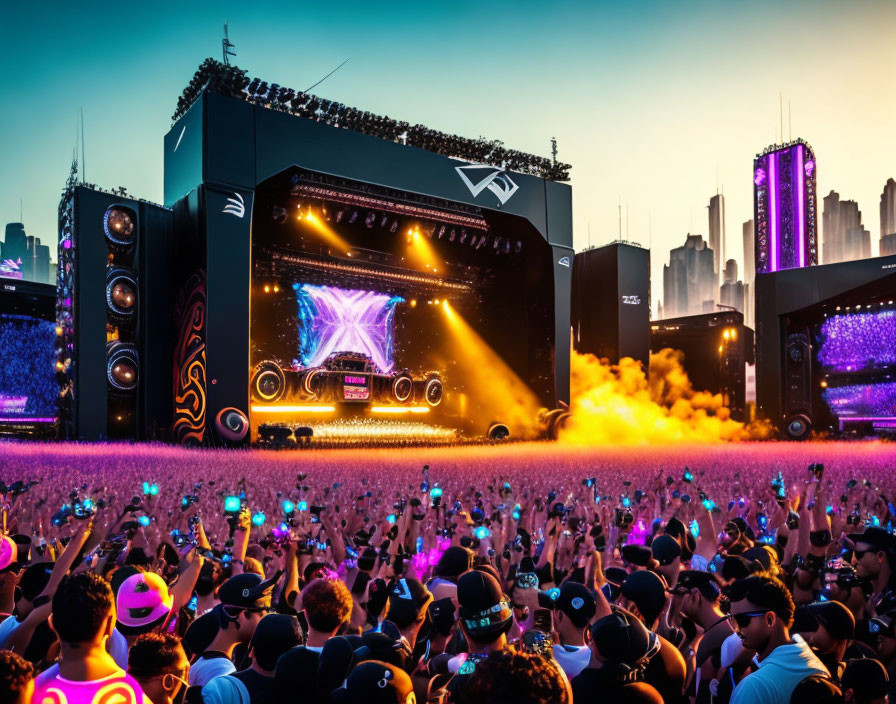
(332, 319)
(28, 388)
(857, 355)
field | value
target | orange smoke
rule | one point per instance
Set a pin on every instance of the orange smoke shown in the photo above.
(617, 404)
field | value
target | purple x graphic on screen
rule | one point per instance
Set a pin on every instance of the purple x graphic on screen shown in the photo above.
(341, 320)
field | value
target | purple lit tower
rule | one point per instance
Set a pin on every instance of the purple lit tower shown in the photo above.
(784, 206)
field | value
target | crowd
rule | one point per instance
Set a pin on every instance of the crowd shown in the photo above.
(673, 586)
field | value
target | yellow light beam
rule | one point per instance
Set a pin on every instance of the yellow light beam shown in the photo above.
(399, 409)
(421, 252)
(292, 409)
(325, 232)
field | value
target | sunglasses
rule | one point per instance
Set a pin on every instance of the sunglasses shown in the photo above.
(743, 619)
(859, 554)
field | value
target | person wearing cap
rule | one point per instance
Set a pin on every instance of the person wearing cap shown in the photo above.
(872, 558)
(667, 552)
(762, 614)
(883, 627)
(865, 681)
(700, 598)
(159, 664)
(143, 603)
(619, 646)
(408, 603)
(847, 589)
(485, 618)
(83, 616)
(244, 600)
(573, 611)
(451, 565)
(274, 636)
(636, 557)
(32, 581)
(519, 677)
(644, 594)
(375, 682)
(833, 634)
(816, 689)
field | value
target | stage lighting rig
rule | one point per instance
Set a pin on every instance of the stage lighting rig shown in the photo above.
(370, 220)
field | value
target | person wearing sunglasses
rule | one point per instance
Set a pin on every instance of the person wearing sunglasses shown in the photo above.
(159, 664)
(873, 558)
(761, 613)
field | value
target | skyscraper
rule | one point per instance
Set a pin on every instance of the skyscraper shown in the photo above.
(784, 207)
(843, 236)
(689, 282)
(717, 230)
(32, 259)
(888, 218)
(731, 293)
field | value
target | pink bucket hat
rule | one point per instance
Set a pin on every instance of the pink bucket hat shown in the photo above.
(143, 599)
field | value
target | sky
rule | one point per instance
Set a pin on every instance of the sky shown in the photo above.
(656, 105)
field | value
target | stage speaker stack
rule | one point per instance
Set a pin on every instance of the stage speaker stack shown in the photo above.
(798, 384)
(114, 315)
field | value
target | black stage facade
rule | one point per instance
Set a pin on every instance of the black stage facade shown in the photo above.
(316, 271)
(826, 347)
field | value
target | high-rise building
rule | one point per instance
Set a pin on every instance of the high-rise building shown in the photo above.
(888, 218)
(843, 235)
(731, 293)
(31, 258)
(888, 245)
(749, 274)
(689, 281)
(784, 203)
(717, 230)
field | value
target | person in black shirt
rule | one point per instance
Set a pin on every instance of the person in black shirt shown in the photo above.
(620, 645)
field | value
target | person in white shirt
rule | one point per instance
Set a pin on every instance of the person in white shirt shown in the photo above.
(573, 612)
(761, 614)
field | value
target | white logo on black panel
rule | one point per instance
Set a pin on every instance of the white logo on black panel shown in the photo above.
(493, 178)
(235, 206)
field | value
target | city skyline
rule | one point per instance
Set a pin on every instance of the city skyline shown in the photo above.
(656, 107)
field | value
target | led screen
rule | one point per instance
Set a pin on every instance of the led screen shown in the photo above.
(28, 387)
(865, 344)
(334, 320)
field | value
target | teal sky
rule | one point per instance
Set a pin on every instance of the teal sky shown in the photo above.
(653, 103)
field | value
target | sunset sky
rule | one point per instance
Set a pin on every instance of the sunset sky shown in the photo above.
(653, 103)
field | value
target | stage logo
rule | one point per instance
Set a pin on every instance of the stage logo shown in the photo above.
(235, 206)
(563, 261)
(493, 178)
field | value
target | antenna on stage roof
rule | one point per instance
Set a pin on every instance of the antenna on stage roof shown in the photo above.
(328, 75)
(554, 148)
(83, 159)
(227, 46)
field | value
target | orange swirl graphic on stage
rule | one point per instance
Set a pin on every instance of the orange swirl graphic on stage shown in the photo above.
(189, 364)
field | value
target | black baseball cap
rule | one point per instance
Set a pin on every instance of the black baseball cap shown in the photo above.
(647, 590)
(675, 528)
(34, 579)
(248, 591)
(482, 603)
(274, 635)
(636, 554)
(882, 626)
(836, 618)
(622, 638)
(441, 613)
(704, 582)
(454, 562)
(876, 537)
(665, 549)
(577, 603)
(375, 682)
(408, 601)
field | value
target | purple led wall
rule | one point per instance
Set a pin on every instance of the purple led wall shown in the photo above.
(862, 400)
(858, 341)
(784, 208)
(342, 320)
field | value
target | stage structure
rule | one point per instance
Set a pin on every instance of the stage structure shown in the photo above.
(332, 271)
(717, 348)
(825, 352)
(611, 302)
